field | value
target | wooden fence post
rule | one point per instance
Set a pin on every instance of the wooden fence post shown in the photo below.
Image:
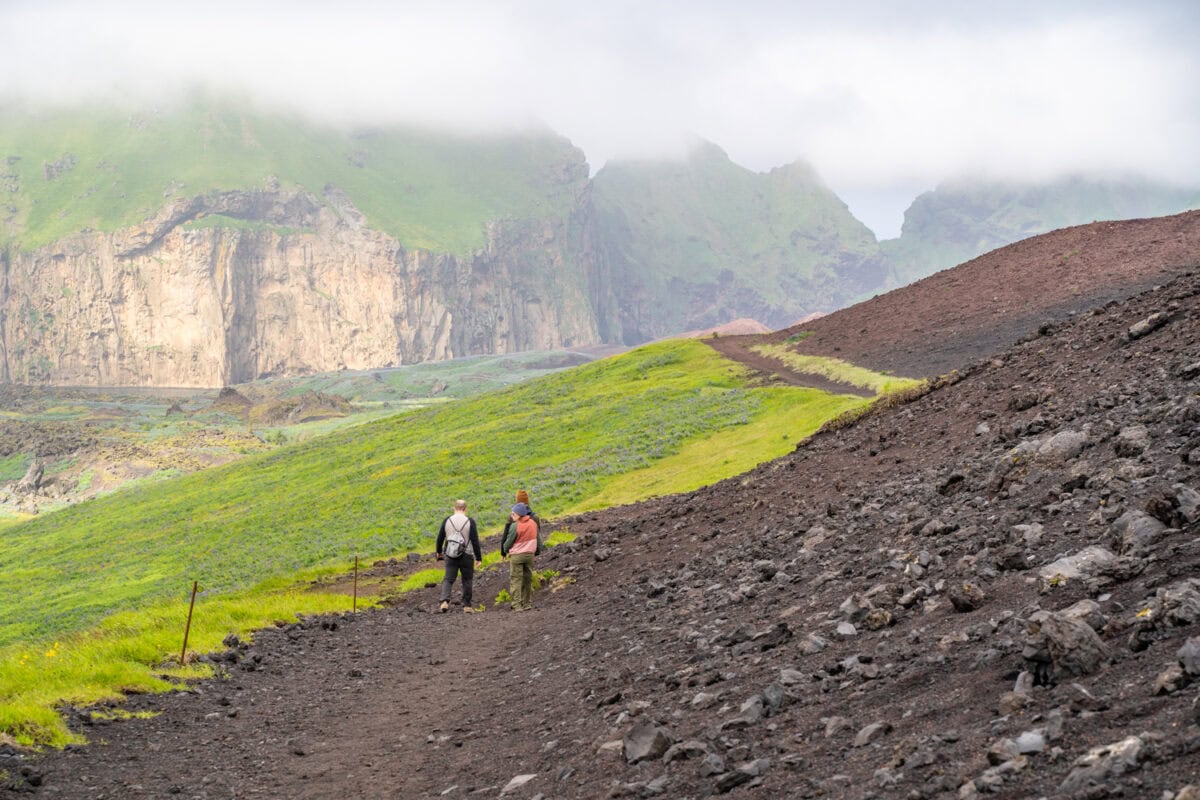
(188, 629)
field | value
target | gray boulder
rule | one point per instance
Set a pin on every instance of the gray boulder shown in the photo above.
(1189, 502)
(1063, 446)
(1135, 531)
(1019, 456)
(1147, 326)
(1031, 742)
(753, 710)
(1087, 562)
(1132, 441)
(1070, 646)
(1101, 764)
(646, 741)
(712, 764)
(1178, 604)
(33, 478)
(1087, 611)
(1189, 657)
(687, 749)
(745, 773)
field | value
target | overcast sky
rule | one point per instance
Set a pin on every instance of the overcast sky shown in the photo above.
(885, 99)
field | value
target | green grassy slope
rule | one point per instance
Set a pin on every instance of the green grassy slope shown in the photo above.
(101, 168)
(456, 378)
(380, 487)
(96, 442)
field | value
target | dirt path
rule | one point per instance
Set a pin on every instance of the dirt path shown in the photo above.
(395, 703)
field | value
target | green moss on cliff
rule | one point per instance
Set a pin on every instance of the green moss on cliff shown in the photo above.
(761, 244)
(961, 220)
(66, 170)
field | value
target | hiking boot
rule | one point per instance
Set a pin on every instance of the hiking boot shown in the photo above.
(469, 610)
(445, 606)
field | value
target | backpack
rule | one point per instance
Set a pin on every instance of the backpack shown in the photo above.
(456, 547)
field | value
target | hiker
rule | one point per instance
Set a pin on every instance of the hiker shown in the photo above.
(456, 538)
(523, 497)
(521, 542)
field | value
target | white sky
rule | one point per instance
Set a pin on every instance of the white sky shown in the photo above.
(885, 99)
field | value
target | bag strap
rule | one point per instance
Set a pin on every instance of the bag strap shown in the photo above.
(458, 530)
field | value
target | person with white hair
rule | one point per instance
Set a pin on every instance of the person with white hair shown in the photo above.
(457, 538)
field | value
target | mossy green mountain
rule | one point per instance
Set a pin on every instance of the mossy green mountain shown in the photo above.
(106, 168)
(717, 241)
(964, 219)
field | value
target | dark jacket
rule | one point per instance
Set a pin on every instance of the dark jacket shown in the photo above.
(510, 535)
(473, 537)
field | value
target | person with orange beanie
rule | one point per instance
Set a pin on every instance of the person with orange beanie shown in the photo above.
(522, 542)
(523, 497)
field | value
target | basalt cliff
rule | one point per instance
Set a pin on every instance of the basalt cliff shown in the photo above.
(304, 286)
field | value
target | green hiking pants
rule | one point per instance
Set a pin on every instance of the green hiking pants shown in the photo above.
(520, 580)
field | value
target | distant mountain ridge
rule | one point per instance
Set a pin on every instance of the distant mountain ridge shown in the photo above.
(700, 241)
(964, 219)
(212, 243)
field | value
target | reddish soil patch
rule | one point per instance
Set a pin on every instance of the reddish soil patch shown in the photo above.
(772, 370)
(979, 308)
(738, 327)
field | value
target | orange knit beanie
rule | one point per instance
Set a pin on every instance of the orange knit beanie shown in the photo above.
(523, 496)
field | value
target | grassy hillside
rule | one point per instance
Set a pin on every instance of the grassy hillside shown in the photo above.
(665, 418)
(98, 441)
(456, 378)
(959, 221)
(103, 168)
(380, 487)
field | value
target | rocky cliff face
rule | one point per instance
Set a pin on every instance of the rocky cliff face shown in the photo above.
(286, 283)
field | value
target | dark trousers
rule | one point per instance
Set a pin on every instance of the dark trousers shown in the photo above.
(466, 565)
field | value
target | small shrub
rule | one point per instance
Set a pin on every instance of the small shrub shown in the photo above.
(540, 576)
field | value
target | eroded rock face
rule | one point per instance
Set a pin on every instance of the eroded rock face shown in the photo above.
(306, 286)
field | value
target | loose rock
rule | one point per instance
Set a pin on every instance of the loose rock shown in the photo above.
(646, 741)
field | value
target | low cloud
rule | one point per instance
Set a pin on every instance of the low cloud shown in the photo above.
(875, 97)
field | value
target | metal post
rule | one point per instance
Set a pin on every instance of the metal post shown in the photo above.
(355, 609)
(188, 629)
